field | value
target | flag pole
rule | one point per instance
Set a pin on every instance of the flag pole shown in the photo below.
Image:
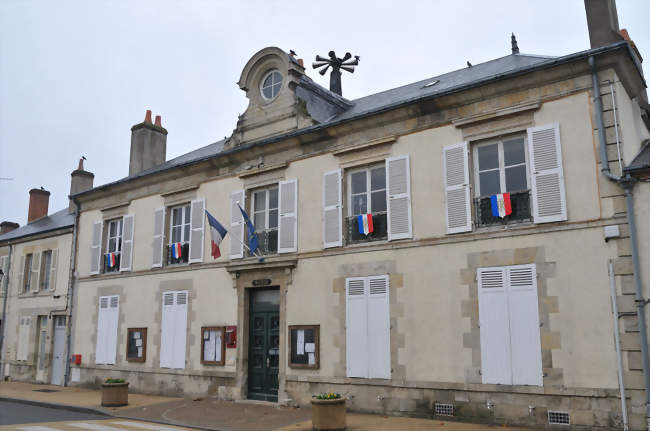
(259, 256)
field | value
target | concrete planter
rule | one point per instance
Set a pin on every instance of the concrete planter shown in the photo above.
(328, 415)
(115, 394)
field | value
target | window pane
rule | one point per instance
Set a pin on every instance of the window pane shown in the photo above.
(186, 230)
(489, 183)
(378, 201)
(516, 178)
(273, 198)
(176, 234)
(268, 81)
(513, 152)
(267, 92)
(488, 157)
(176, 216)
(378, 179)
(260, 200)
(258, 221)
(273, 219)
(111, 245)
(112, 228)
(358, 182)
(187, 214)
(359, 204)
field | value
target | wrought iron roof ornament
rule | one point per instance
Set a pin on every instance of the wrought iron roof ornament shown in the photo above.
(336, 64)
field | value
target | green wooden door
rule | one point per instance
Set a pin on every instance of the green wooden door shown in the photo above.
(264, 347)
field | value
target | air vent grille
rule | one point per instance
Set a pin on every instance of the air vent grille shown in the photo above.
(558, 418)
(444, 409)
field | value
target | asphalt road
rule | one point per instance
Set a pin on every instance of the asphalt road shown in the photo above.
(19, 413)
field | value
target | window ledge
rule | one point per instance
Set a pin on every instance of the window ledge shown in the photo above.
(503, 227)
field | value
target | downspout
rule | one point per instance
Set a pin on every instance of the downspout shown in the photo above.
(626, 183)
(3, 324)
(69, 299)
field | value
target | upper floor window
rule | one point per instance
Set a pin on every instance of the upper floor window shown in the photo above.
(115, 237)
(271, 85)
(113, 245)
(179, 234)
(367, 217)
(46, 269)
(265, 207)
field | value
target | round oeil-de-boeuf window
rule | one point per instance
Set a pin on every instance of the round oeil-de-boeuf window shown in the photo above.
(271, 85)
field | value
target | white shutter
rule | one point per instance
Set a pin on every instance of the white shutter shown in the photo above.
(102, 330)
(113, 314)
(23, 338)
(197, 220)
(180, 329)
(53, 266)
(288, 216)
(332, 210)
(167, 330)
(378, 327)
(158, 238)
(547, 177)
(494, 322)
(356, 327)
(457, 190)
(35, 285)
(398, 197)
(526, 351)
(21, 275)
(95, 248)
(236, 225)
(126, 257)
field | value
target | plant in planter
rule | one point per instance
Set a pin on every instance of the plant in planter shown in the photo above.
(115, 393)
(328, 412)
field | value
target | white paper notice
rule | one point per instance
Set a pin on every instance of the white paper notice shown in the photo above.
(217, 344)
(139, 352)
(300, 348)
(310, 347)
(138, 342)
(208, 350)
(206, 335)
(136, 335)
(312, 359)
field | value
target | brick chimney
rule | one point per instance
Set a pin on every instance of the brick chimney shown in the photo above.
(148, 145)
(8, 226)
(39, 200)
(81, 181)
(602, 22)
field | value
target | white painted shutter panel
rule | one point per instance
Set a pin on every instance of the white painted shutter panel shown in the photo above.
(197, 219)
(332, 210)
(493, 318)
(53, 267)
(158, 238)
(95, 248)
(21, 275)
(35, 285)
(398, 197)
(547, 176)
(288, 220)
(126, 258)
(236, 225)
(180, 329)
(23, 339)
(526, 351)
(167, 330)
(356, 327)
(457, 191)
(113, 314)
(378, 328)
(101, 345)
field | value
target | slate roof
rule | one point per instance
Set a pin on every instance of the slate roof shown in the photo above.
(641, 161)
(58, 220)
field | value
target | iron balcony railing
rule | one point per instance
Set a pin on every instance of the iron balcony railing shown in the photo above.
(519, 201)
(380, 229)
(185, 252)
(115, 268)
(268, 241)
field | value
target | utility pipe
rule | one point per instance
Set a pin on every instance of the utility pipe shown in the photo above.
(617, 340)
(69, 299)
(626, 183)
(3, 324)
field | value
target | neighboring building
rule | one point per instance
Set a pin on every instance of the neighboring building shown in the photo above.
(444, 308)
(36, 262)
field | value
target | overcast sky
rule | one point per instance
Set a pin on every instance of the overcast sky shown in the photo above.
(76, 75)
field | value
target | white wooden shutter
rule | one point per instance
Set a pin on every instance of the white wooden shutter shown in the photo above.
(197, 221)
(158, 238)
(101, 346)
(356, 327)
(288, 216)
(35, 285)
(493, 318)
(332, 210)
(167, 330)
(53, 267)
(547, 176)
(95, 248)
(180, 329)
(378, 327)
(526, 351)
(457, 191)
(398, 197)
(126, 257)
(21, 275)
(23, 338)
(236, 225)
(113, 314)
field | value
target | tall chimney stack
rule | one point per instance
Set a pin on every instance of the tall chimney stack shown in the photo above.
(8, 226)
(39, 200)
(148, 145)
(602, 22)
(81, 181)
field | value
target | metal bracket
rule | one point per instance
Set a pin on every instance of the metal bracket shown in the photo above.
(642, 302)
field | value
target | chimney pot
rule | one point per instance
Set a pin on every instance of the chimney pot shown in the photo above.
(158, 121)
(147, 116)
(39, 200)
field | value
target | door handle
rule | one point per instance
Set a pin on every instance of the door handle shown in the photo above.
(267, 362)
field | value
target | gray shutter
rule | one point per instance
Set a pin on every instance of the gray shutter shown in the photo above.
(288, 216)
(36, 271)
(332, 210)
(398, 197)
(457, 190)
(158, 238)
(53, 266)
(96, 248)
(547, 176)
(21, 275)
(236, 225)
(126, 258)
(197, 221)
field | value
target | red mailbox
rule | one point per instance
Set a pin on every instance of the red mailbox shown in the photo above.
(75, 359)
(231, 337)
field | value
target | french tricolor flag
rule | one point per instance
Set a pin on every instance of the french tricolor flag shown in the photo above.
(501, 206)
(365, 224)
(176, 250)
(218, 233)
(111, 260)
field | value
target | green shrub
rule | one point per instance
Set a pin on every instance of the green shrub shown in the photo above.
(109, 380)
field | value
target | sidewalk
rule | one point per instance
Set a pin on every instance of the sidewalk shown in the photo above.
(214, 414)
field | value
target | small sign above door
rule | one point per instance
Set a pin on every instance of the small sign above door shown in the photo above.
(262, 282)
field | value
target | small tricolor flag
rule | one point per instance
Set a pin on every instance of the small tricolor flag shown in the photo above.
(218, 233)
(112, 260)
(501, 206)
(176, 250)
(365, 224)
